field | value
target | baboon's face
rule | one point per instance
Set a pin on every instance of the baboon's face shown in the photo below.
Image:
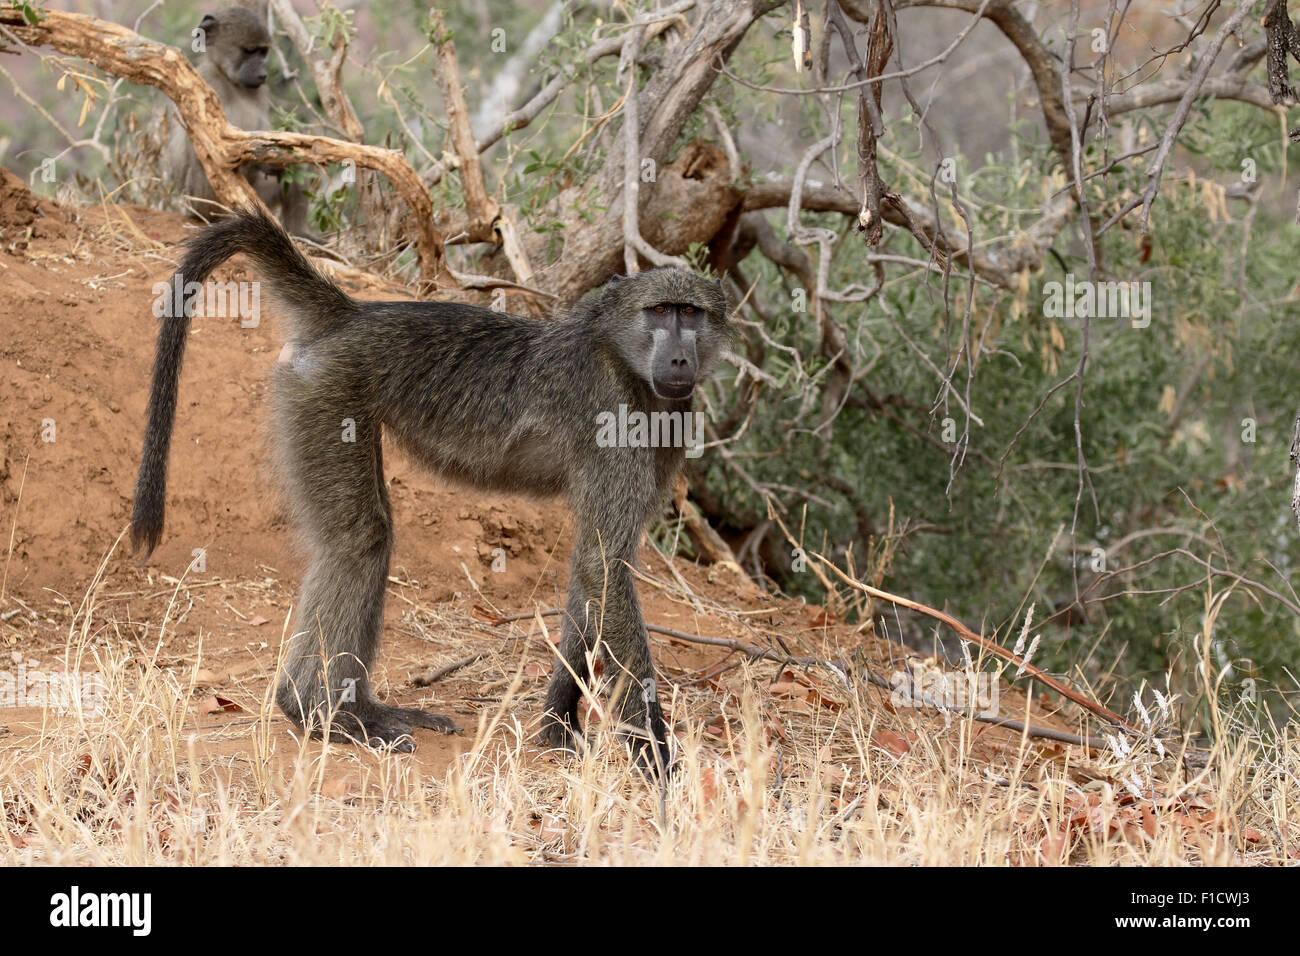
(674, 365)
(668, 325)
(239, 43)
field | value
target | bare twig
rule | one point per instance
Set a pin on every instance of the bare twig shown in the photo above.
(437, 674)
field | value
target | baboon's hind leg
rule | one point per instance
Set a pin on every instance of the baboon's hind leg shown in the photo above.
(335, 474)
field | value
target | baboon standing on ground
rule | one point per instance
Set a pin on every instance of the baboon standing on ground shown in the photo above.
(233, 63)
(490, 400)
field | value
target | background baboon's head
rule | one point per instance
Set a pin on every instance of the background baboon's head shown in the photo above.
(237, 42)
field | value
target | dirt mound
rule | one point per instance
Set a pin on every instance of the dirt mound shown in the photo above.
(18, 207)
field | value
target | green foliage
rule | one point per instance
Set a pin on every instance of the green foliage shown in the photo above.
(31, 13)
(329, 207)
(328, 25)
(1161, 417)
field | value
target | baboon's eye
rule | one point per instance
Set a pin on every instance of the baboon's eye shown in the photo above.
(689, 310)
(659, 309)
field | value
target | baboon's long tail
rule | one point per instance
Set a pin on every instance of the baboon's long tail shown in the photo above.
(315, 305)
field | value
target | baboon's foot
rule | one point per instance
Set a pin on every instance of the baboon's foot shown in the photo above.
(422, 718)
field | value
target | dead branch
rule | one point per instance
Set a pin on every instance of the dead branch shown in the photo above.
(438, 673)
(880, 46)
(992, 647)
(1283, 42)
(1194, 85)
(326, 72)
(481, 209)
(964, 632)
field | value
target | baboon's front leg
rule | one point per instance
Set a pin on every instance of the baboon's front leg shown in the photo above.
(563, 696)
(631, 668)
(603, 607)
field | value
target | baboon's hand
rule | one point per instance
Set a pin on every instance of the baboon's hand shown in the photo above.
(654, 757)
(646, 733)
(559, 732)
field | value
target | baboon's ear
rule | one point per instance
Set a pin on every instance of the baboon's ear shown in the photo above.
(208, 23)
(722, 291)
(608, 293)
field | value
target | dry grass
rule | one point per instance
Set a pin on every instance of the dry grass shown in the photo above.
(769, 774)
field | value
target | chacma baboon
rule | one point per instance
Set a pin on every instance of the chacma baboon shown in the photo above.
(233, 63)
(491, 400)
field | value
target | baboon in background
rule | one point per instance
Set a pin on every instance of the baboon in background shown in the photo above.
(233, 63)
(490, 400)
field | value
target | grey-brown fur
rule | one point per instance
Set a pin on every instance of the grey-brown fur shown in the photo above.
(234, 64)
(488, 399)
